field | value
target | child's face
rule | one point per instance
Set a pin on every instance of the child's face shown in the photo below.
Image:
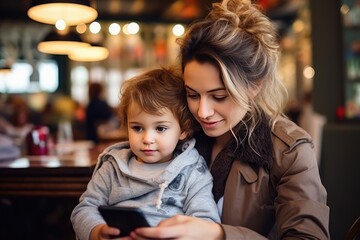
(153, 138)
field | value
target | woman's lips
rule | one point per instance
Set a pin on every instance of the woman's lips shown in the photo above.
(210, 125)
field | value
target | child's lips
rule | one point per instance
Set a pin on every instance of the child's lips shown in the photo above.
(148, 151)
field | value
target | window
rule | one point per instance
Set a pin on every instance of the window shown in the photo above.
(27, 78)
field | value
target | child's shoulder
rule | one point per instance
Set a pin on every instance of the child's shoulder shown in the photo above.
(117, 146)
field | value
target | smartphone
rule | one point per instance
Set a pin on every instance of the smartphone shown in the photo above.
(126, 219)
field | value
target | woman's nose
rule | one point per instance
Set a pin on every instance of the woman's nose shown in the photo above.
(205, 109)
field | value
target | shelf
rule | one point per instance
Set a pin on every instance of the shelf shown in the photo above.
(353, 80)
(352, 28)
(351, 61)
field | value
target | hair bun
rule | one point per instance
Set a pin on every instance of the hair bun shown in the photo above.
(247, 17)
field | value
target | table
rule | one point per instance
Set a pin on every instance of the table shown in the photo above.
(38, 193)
(64, 175)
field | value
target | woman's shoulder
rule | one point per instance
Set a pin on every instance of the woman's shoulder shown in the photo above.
(288, 132)
(292, 146)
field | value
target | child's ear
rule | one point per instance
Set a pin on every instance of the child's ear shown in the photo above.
(183, 135)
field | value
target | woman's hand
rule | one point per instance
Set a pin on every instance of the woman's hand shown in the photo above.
(181, 227)
(103, 231)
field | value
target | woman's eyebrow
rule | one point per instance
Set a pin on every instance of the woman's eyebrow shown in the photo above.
(212, 90)
(189, 88)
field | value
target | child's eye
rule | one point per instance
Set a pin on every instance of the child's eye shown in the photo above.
(136, 128)
(161, 129)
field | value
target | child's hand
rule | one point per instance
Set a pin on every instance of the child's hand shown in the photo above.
(180, 227)
(103, 231)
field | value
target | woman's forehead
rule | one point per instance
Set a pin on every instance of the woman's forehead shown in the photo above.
(202, 76)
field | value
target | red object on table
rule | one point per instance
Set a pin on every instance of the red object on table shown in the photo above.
(37, 141)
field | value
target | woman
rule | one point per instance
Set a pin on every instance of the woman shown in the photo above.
(266, 179)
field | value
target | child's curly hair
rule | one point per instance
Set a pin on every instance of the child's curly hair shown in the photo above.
(155, 90)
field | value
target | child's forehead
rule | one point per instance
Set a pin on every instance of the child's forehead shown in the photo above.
(136, 109)
(139, 116)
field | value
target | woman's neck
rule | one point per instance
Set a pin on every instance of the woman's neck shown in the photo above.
(219, 144)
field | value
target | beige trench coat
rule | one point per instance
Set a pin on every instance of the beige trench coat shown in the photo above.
(288, 203)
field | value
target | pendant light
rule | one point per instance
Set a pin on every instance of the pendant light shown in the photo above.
(5, 66)
(5, 69)
(73, 12)
(61, 42)
(90, 53)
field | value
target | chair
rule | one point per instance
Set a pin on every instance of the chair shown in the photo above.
(354, 231)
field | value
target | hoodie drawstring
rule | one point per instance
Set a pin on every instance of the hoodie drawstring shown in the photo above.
(162, 188)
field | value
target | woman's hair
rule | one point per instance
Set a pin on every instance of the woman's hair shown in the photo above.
(153, 91)
(238, 39)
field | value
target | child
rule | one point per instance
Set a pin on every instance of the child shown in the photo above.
(158, 169)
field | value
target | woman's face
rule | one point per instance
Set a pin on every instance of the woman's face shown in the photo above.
(209, 101)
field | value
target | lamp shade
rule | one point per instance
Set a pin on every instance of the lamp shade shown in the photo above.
(62, 44)
(89, 54)
(5, 69)
(73, 12)
(5, 66)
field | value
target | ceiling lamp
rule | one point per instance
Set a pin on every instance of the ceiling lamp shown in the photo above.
(5, 69)
(5, 66)
(89, 54)
(61, 42)
(73, 12)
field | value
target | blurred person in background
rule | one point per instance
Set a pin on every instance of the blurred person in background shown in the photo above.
(15, 124)
(16, 118)
(98, 111)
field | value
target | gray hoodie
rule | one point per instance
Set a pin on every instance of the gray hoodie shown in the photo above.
(184, 187)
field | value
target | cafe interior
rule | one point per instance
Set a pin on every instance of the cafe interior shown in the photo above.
(51, 55)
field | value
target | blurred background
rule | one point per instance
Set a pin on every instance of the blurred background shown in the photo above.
(320, 66)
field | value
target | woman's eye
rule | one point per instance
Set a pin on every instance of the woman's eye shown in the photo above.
(161, 129)
(192, 95)
(220, 98)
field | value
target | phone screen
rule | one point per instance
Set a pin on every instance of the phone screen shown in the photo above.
(126, 219)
